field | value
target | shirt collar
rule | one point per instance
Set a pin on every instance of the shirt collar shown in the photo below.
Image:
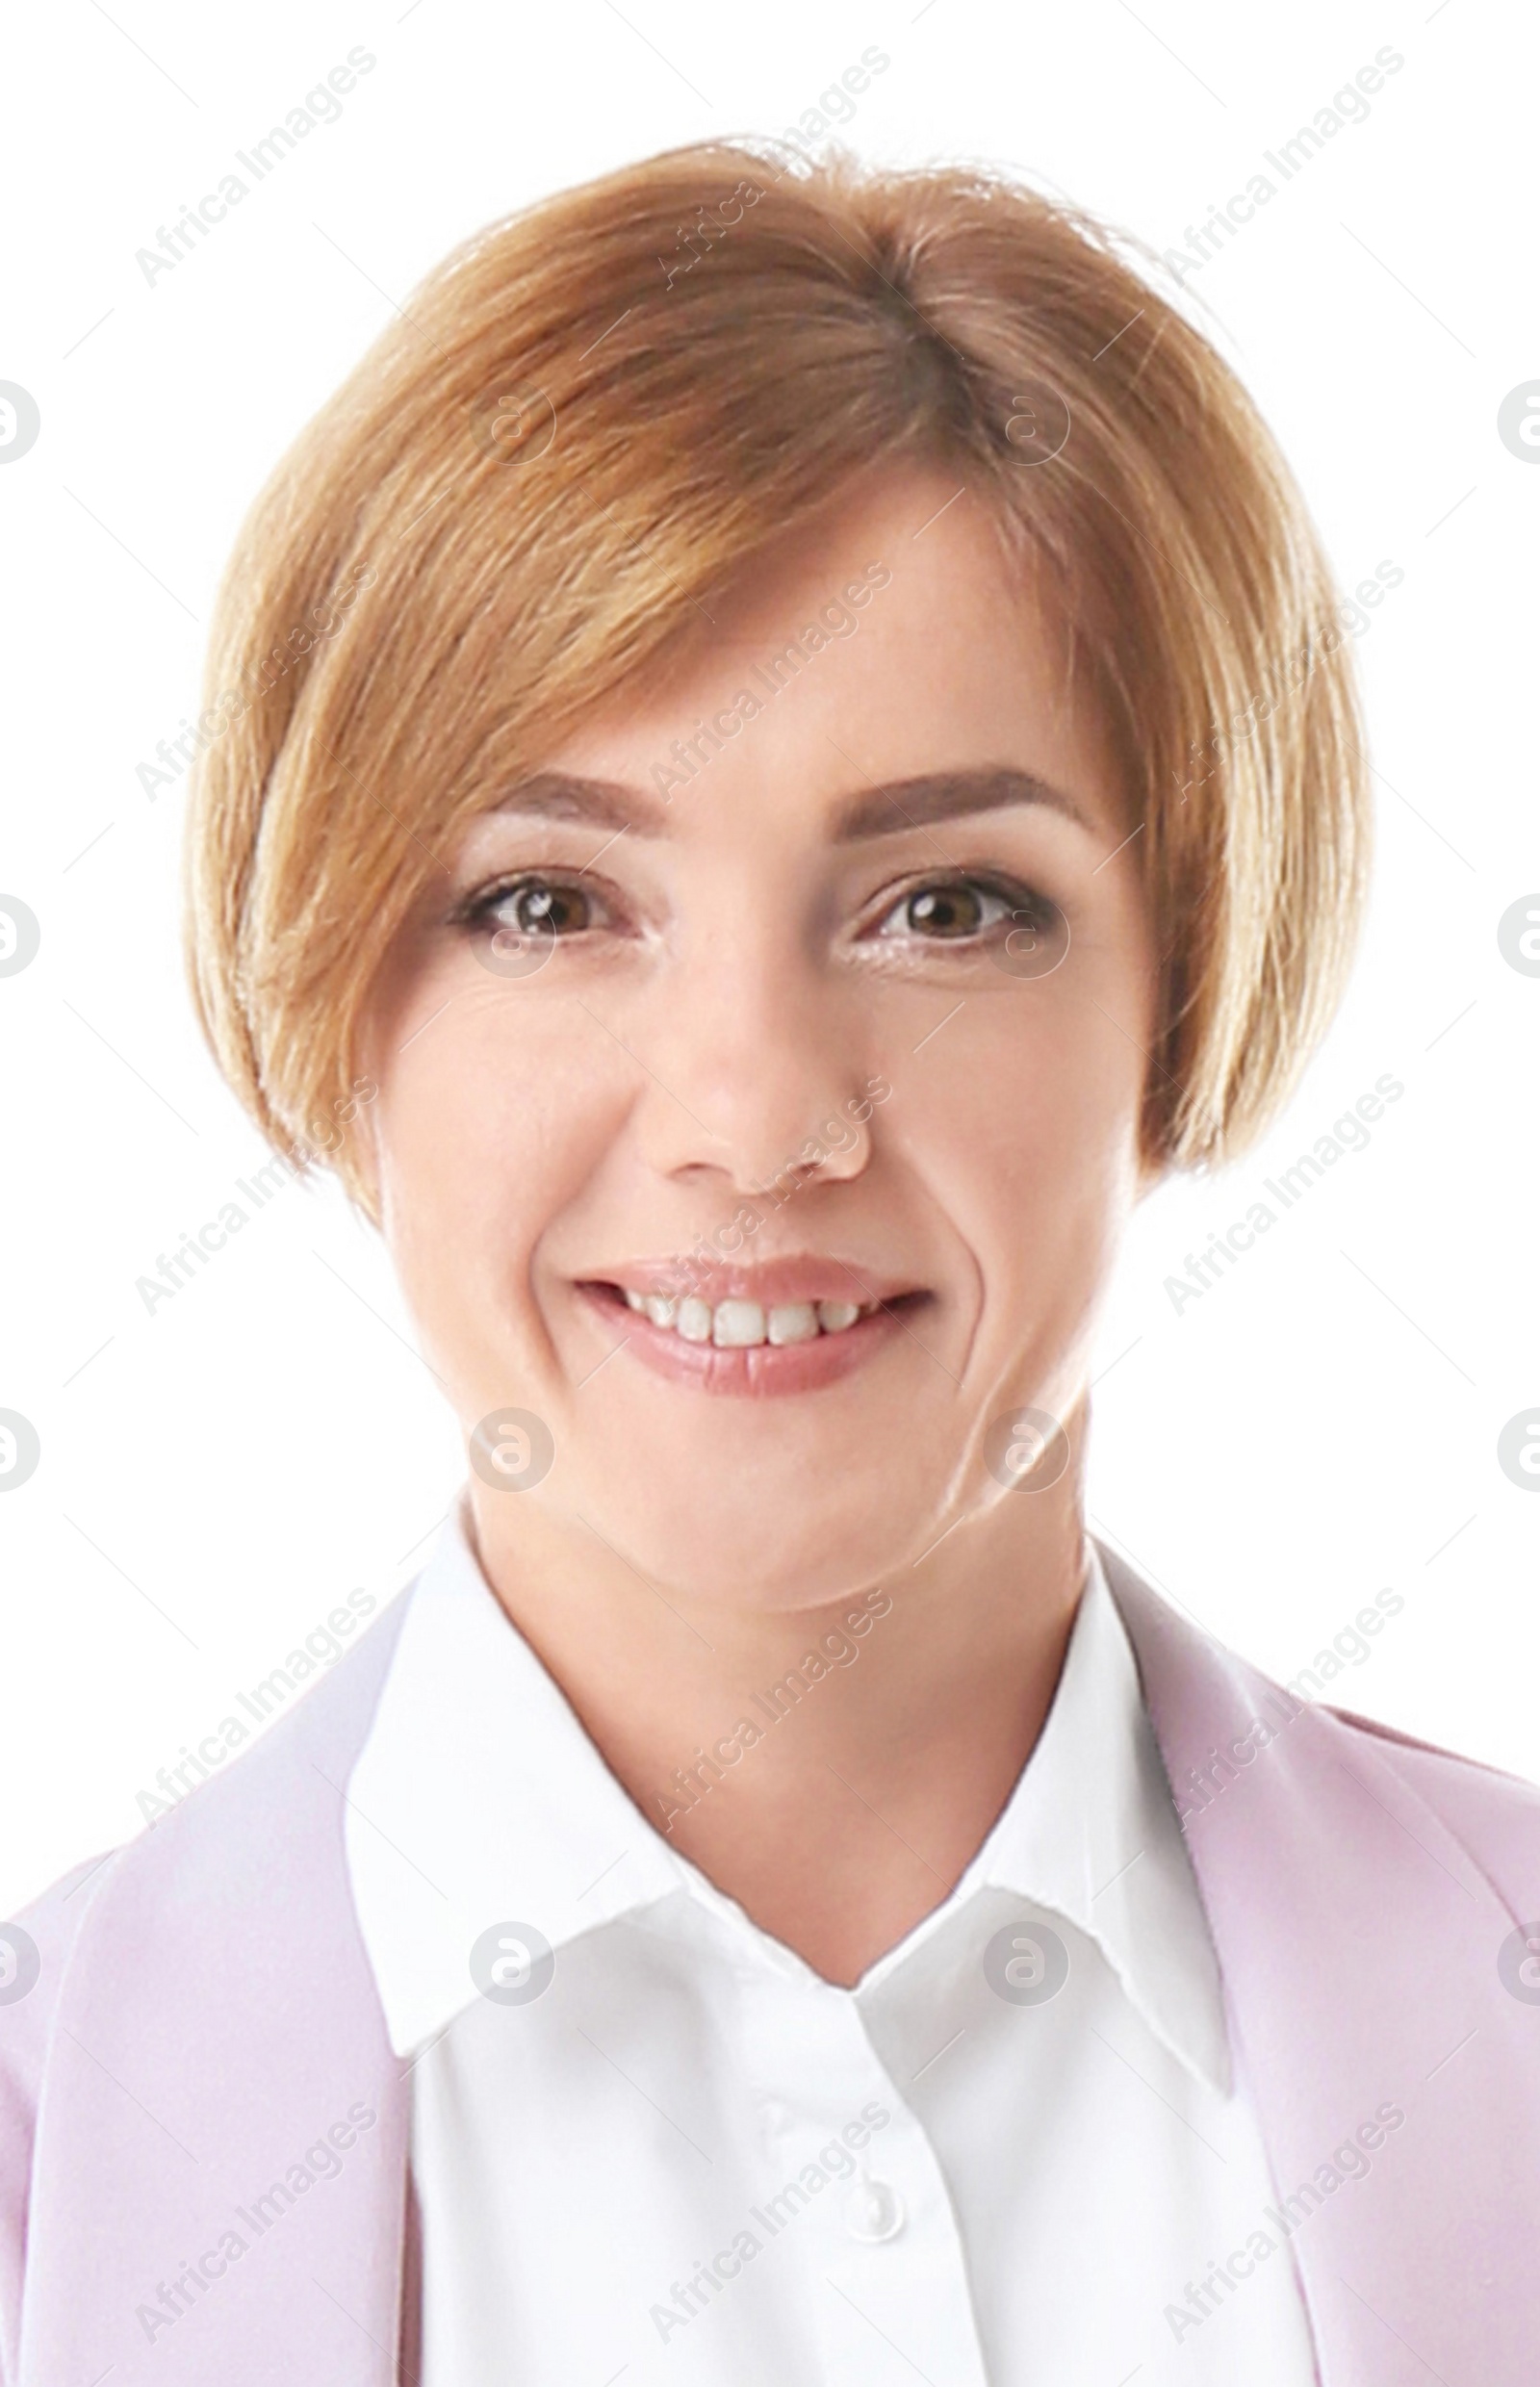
(1090, 1832)
(479, 1800)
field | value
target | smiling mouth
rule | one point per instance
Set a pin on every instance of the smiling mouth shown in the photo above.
(741, 1345)
(740, 1325)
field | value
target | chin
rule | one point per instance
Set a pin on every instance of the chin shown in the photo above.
(757, 1548)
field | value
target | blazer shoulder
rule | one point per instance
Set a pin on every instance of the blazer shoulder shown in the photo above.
(46, 1931)
(1197, 1692)
(1494, 1814)
(163, 1868)
(151, 1921)
(42, 1935)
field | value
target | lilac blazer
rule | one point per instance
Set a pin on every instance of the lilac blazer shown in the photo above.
(205, 2027)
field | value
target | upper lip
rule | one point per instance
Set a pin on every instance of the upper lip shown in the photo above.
(803, 1276)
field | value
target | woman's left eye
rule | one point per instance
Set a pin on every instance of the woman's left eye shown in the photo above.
(952, 910)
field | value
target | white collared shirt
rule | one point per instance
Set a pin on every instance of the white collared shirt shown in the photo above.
(669, 2151)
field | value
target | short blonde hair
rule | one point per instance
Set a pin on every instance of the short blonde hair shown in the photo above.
(594, 413)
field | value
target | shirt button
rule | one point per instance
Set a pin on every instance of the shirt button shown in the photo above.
(874, 2211)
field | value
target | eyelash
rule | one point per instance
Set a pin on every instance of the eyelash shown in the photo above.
(1021, 903)
(476, 909)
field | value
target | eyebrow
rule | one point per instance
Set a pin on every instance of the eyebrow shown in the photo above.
(947, 795)
(916, 803)
(594, 803)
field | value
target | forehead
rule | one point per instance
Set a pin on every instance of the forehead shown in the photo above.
(893, 641)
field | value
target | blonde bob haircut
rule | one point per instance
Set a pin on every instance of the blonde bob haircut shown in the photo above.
(594, 414)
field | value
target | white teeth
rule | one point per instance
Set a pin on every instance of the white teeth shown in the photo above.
(741, 1325)
(792, 1321)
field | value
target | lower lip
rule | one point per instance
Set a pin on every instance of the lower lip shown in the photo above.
(758, 1371)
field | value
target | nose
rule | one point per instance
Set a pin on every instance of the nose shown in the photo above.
(752, 1077)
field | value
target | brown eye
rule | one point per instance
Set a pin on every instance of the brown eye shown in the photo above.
(538, 907)
(945, 912)
(958, 911)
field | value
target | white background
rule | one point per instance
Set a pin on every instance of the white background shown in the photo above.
(1322, 1423)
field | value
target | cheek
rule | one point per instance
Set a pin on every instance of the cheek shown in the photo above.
(1030, 1139)
(1053, 1069)
(489, 1116)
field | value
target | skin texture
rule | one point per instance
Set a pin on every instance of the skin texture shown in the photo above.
(715, 994)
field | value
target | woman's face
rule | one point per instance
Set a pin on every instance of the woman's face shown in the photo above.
(804, 998)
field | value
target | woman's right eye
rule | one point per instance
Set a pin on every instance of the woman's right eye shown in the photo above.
(533, 906)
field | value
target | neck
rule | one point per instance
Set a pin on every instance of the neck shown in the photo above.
(831, 1768)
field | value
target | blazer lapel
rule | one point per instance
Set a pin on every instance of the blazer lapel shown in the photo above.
(221, 2142)
(1358, 1941)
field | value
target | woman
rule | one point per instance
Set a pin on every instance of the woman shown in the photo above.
(778, 756)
